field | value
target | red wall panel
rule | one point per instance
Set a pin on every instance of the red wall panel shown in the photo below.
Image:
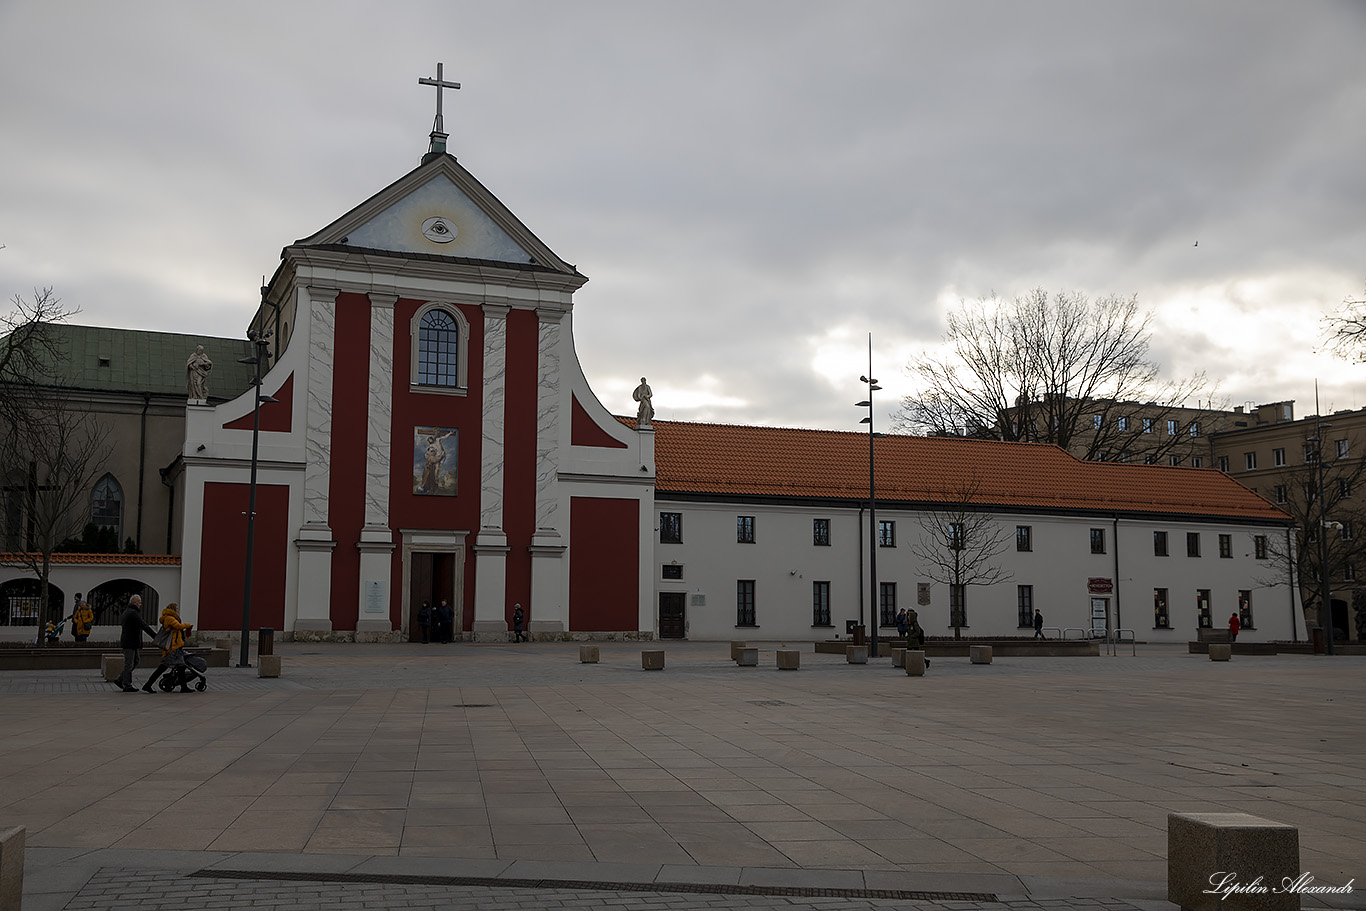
(223, 544)
(604, 564)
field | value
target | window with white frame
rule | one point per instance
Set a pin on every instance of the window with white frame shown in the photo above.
(440, 344)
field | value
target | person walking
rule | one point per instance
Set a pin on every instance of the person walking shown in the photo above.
(75, 606)
(424, 620)
(1233, 627)
(518, 621)
(130, 640)
(1038, 625)
(173, 652)
(915, 633)
(81, 620)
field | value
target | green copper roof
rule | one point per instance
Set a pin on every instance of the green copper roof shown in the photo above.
(138, 361)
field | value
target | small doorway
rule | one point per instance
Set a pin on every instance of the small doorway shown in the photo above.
(672, 615)
(431, 579)
(1100, 617)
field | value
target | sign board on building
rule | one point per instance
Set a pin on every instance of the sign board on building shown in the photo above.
(1098, 586)
(922, 593)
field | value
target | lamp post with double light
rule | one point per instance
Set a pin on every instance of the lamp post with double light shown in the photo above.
(873, 596)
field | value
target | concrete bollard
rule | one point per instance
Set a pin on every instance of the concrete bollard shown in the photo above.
(789, 659)
(856, 654)
(748, 657)
(1220, 651)
(11, 867)
(915, 663)
(979, 654)
(588, 654)
(111, 666)
(267, 665)
(652, 660)
(1203, 848)
(735, 647)
(898, 657)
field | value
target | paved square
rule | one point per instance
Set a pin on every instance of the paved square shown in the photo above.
(1025, 778)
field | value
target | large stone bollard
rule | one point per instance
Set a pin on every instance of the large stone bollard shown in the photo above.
(111, 666)
(588, 654)
(979, 654)
(748, 657)
(652, 660)
(1214, 851)
(11, 867)
(735, 647)
(856, 654)
(789, 659)
(267, 665)
(1220, 651)
(898, 657)
(915, 663)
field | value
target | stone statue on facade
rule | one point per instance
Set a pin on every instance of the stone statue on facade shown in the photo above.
(646, 412)
(197, 370)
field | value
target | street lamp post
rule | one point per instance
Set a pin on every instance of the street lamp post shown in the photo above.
(261, 352)
(1325, 578)
(873, 596)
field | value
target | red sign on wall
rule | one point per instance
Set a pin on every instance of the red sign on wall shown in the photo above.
(1098, 586)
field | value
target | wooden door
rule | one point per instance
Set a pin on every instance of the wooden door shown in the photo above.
(672, 615)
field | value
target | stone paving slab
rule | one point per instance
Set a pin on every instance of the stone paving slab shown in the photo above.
(1039, 779)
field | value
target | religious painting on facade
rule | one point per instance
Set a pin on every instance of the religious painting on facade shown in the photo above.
(435, 457)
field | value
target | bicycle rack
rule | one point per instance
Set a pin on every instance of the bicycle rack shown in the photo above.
(1080, 630)
(1115, 637)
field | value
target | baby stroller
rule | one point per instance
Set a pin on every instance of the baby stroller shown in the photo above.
(190, 668)
(52, 632)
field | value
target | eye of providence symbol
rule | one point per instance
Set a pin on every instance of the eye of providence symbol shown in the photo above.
(439, 230)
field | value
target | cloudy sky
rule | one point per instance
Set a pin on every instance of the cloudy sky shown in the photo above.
(752, 187)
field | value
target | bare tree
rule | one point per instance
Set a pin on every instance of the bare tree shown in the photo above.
(1345, 330)
(958, 546)
(1341, 522)
(28, 352)
(62, 451)
(1062, 368)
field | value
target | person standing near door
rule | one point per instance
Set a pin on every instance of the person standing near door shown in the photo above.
(518, 622)
(424, 620)
(446, 624)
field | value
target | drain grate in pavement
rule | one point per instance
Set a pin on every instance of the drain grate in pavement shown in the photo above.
(768, 702)
(595, 886)
(472, 705)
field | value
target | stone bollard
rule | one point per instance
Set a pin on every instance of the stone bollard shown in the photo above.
(1220, 651)
(748, 657)
(898, 657)
(735, 649)
(979, 654)
(1204, 848)
(915, 663)
(789, 659)
(111, 666)
(652, 660)
(588, 654)
(856, 654)
(223, 644)
(11, 867)
(267, 665)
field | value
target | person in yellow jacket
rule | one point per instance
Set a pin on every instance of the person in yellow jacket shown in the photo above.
(173, 653)
(81, 620)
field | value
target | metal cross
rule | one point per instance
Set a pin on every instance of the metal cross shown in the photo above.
(440, 84)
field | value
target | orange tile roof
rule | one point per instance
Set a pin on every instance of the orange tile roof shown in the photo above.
(747, 461)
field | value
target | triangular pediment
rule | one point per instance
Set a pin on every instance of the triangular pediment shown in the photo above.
(439, 209)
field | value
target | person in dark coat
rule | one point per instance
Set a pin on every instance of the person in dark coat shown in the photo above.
(902, 627)
(1038, 625)
(447, 621)
(915, 633)
(130, 640)
(424, 620)
(518, 622)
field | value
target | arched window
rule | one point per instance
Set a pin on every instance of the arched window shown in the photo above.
(440, 344)
(106, 505)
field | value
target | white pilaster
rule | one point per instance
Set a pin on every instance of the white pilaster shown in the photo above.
(376, 540)
(314, 542)
(549, 604)
(490, 549)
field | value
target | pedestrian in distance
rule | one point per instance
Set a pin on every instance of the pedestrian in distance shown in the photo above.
(424, 620)
(81, 620)
(1038, 625)
(1233, 627)
(447, 621)
(902, 627)
(130, 640)
(518, 621)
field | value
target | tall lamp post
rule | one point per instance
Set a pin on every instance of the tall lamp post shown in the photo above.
(1325, 578)
(260, 342)
(873, 596)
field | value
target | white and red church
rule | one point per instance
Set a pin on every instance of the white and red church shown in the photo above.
(433, 437)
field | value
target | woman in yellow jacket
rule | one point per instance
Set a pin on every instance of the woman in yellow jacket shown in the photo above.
(173, 654)
(81, 621)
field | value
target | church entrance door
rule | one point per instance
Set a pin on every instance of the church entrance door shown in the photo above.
(431, 578)
(672, 618)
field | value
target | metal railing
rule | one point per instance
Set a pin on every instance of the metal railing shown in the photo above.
(1115, 637)
(1079, 630)
(1055, 629)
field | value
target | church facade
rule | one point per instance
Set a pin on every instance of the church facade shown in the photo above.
(432, 438)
